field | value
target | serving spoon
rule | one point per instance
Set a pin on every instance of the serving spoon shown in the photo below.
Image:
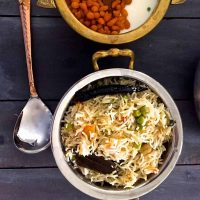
(32, 129)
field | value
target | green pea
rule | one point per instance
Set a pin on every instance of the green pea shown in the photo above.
(136, 113)
(69, 127)
(148, 9)
(140, 120)
(138, 146)
(144, 110)
(73, 158)
(140, 127)
(125, 96)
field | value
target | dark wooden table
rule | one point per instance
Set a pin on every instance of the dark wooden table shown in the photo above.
(169, 54)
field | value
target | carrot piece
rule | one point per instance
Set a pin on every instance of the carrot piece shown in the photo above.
(89, 129)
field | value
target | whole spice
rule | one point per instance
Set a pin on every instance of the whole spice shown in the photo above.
(103, 16)
(106, 89)
(97, 163)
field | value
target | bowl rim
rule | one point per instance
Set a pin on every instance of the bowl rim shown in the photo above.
(133, 35)
(101, 193)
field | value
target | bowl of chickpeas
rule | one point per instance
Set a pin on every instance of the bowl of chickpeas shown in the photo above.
(112, 21)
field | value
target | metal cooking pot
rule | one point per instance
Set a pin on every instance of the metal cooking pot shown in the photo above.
(156, 16)
(173, 150)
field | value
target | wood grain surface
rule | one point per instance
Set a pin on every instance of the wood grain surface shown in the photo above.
(169, 54)
(15, 159)
(189, 9)
(45, 184)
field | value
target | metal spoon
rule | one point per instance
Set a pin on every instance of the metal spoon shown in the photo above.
(32, 129)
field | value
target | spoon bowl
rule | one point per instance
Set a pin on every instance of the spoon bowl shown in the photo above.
(32, 129)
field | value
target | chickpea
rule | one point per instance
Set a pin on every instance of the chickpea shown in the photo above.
(90, 15)
(94, 8)
(94, 27)
(102, 13)
(107, 16)
(75, 5)
(112, 22)
(101, 21)
(101, 17)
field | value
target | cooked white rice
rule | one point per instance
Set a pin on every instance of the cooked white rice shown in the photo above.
(108, 126)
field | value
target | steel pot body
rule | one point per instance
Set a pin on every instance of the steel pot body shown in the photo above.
(173, 151)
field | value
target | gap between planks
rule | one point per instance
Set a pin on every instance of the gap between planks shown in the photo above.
(58, 16)
(55, 167)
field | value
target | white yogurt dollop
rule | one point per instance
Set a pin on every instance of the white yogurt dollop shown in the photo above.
(139, 12)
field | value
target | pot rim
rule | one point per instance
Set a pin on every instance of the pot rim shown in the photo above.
(133, 35)
(98, 192)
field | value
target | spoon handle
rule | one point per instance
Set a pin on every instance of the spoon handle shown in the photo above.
(25, 9)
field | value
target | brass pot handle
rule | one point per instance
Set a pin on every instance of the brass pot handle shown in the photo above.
(113, 52)
(175, 2)
(46, 3)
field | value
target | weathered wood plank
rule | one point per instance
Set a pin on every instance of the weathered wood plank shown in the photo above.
(189, 9)
(11, 157)
(191, 128)
(41, 184)
(169, 54)
(11, 8)
(45, 184)
(182, 184)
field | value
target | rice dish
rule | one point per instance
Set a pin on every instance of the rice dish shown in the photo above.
(130, 130)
